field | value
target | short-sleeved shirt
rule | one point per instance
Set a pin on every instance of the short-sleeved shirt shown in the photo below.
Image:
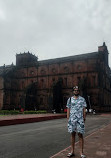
(76, 121)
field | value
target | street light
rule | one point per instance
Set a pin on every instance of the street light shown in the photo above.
(90, 110)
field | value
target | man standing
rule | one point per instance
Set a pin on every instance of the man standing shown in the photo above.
(76, 114)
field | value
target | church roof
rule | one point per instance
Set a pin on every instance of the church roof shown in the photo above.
(70, 58)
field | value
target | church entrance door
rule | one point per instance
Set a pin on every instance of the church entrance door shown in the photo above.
(31, 99)
(57, 97)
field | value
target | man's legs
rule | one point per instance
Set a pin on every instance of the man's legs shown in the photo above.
(81, 143)
(73, 141)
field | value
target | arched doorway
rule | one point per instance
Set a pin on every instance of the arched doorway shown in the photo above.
(57, 96)
(31, 97)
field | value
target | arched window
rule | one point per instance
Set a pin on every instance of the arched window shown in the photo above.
(94, 80)
(53, 70)
(23, 84)
(31, 72)
(42, 83)
(42, 80)
(42, 72)
(79, 67)
(41, 100)
(78, 78)
(66, 69)
(32, 81)
(65, 82)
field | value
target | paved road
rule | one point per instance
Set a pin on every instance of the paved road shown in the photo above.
(42, 139)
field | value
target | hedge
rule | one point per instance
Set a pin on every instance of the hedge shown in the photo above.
(15, 112)
(36, 112)
(9, 112)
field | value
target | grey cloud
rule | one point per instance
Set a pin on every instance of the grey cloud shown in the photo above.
(53, 28)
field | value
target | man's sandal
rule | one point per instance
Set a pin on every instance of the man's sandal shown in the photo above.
(83, 156)
(70, 155)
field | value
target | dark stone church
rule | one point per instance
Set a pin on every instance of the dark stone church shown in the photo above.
(47, 84)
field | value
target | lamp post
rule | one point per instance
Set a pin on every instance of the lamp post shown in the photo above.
(90, 110)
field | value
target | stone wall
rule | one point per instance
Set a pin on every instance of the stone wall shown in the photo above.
(1, 92)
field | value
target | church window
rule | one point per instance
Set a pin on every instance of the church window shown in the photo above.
(65, 81)
(32, 81)
(53, 79)
(23, 85)
(78, 78)
(31, 72)
(41, 100)
(42, 80)
(42, 72)
(42, 83)
(79, 67)
(22, 74)
(53, 70)
(94, 80)
(66, 69)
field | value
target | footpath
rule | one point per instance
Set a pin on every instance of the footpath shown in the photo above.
(28, 118)
(96, 145)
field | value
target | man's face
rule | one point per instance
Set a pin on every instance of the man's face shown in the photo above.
(76, 92)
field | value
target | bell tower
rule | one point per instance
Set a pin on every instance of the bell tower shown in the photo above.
(104, 52)
(26, 59)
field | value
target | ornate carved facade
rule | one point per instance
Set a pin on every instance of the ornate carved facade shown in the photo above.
(47, 84)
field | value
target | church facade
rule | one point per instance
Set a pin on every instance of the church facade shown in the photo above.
(47, 84)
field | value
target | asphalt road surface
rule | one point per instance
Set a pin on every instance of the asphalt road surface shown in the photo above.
(41, 139)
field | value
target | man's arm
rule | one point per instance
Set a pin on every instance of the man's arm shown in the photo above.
(84, 113)
(68, 113)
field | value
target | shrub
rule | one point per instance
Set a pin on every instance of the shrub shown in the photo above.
(15, 112)
(9, 112)
(36, 112)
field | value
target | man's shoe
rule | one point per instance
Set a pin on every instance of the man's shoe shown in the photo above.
(70, 155)
(83, 156)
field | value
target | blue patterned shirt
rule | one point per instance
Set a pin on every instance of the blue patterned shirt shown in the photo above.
(76, 107)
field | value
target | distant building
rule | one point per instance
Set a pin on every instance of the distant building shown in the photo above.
(47, 84)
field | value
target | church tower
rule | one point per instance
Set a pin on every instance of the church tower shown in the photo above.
(104, 53)
(26, 59)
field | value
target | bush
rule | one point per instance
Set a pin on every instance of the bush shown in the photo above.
(9, 112)
(36, 112)
(15, 112)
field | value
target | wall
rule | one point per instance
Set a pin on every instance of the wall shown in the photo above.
(1, 92)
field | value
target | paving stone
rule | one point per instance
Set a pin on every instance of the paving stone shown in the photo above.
(97, 144)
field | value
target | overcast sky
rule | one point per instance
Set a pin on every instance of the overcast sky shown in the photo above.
(53, 28)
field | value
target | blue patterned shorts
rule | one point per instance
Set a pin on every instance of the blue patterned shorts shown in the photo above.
(76, 126)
